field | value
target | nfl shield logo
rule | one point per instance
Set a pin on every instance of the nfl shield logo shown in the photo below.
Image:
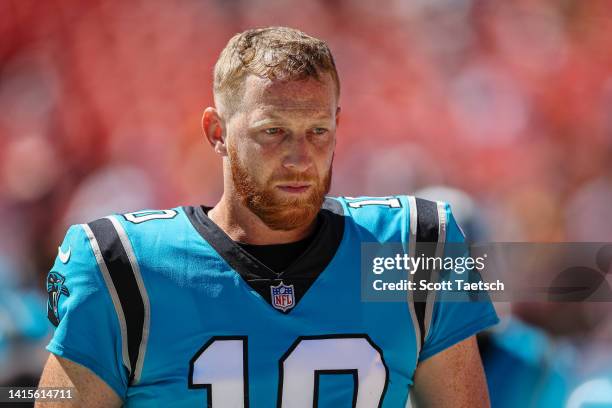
(282, 297)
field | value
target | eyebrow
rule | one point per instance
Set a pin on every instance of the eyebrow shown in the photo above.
(273, 115)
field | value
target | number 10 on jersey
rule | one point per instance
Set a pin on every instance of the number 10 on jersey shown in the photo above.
(221, 367)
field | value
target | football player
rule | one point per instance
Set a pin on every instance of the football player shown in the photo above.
(256, 301)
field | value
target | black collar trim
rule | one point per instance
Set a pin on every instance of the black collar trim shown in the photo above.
(301, 273)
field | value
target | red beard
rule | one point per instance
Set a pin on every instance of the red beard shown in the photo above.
(279, 213)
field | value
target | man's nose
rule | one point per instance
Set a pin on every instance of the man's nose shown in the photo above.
(298, 156)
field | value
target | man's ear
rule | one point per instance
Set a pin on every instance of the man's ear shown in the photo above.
(213, 128)
(338, 116)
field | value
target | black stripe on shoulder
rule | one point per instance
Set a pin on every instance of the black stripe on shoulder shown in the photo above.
(427, 233)
(427, 220)
(124, 281)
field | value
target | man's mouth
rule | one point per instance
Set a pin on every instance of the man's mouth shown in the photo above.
(294, 188)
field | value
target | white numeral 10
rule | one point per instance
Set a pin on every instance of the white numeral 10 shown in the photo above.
(221, 368)
(389, 202)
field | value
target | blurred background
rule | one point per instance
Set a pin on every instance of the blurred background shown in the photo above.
(502, 108)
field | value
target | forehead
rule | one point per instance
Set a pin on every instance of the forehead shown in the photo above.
(309, 96)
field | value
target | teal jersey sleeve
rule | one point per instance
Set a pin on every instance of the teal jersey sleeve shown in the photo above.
(80, 306)
(455, 320)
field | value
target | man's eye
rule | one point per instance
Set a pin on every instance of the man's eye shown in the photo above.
(319, 131)
(273, 131)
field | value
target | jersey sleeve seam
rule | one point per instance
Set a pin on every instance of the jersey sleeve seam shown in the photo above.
(109, 378)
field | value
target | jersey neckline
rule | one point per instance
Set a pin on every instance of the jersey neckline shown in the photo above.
(301, 273)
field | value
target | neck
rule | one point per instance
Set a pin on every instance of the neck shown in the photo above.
(241, 225)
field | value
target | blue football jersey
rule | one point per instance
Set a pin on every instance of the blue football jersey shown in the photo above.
(169, 311)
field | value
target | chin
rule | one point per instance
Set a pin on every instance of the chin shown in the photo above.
(290, 217)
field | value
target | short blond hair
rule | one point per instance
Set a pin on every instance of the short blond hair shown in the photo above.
(276, 53)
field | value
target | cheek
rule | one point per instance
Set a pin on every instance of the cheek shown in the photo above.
(257, 162)
(325, 156)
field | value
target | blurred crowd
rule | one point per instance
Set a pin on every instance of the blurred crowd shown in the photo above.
(509, 103)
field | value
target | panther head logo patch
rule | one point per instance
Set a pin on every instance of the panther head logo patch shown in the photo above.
(55, 289)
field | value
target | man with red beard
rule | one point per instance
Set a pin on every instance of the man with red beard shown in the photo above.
(257, 300)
